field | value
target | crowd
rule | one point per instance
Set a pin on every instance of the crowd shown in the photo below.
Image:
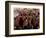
(26, 18)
